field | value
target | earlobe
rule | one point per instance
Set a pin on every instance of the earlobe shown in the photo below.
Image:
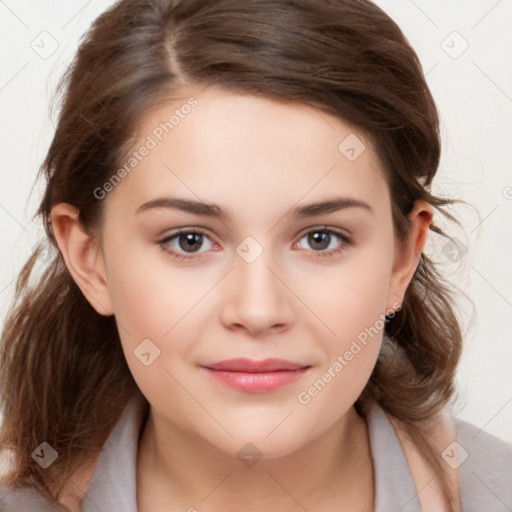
(408, 252)
(82, 256)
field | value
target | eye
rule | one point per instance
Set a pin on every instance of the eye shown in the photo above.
(185, 243)
(325, 242)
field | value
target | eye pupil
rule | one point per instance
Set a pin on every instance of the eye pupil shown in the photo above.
(319, 237)
(192, 241)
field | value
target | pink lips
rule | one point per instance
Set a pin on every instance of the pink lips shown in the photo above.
(256, 376)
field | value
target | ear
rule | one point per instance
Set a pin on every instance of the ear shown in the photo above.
(408, 252)
(82, 256)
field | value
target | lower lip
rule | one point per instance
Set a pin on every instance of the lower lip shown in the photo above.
(257, 382)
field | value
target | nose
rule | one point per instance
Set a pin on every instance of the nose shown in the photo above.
(257, 301)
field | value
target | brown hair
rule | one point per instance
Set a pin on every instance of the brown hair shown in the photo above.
(62, 363)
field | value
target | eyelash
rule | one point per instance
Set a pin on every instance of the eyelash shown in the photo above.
(346, 242)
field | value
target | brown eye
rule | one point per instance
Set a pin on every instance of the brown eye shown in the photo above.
(186, 242)
(324, 241)
(190, 242)
(319, 239)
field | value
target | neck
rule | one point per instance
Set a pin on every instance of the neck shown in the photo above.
(178, 470)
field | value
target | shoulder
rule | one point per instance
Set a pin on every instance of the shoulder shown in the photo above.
(113, 465)
(26, 498)
(485, 469)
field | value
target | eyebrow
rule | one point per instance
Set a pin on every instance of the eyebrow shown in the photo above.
(214, 210)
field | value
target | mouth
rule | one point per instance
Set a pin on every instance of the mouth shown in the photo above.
(256, 376)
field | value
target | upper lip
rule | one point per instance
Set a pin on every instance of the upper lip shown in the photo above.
(255, 366)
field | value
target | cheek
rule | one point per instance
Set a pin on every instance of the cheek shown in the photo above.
(353, 309)
(150, 295)
(158, 309)
(145, 314)
(355, 312)
(351, 297)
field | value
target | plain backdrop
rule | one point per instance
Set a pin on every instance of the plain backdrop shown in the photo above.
(466, 51)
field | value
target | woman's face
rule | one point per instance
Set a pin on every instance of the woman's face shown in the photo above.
(262, 275)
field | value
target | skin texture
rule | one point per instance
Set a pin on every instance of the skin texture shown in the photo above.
(257, 159)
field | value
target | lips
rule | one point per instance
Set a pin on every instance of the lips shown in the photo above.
(256, 376)
(254, 366)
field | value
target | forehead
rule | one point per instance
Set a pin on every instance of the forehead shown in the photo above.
(245, 150)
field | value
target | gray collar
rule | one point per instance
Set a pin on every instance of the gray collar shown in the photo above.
(395, 489)
(113, 485)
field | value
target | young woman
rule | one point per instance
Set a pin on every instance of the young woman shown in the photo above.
(239, 314)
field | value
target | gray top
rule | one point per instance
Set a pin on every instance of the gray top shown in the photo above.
(485, 476)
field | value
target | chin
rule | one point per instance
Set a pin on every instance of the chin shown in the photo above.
(273, 446)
